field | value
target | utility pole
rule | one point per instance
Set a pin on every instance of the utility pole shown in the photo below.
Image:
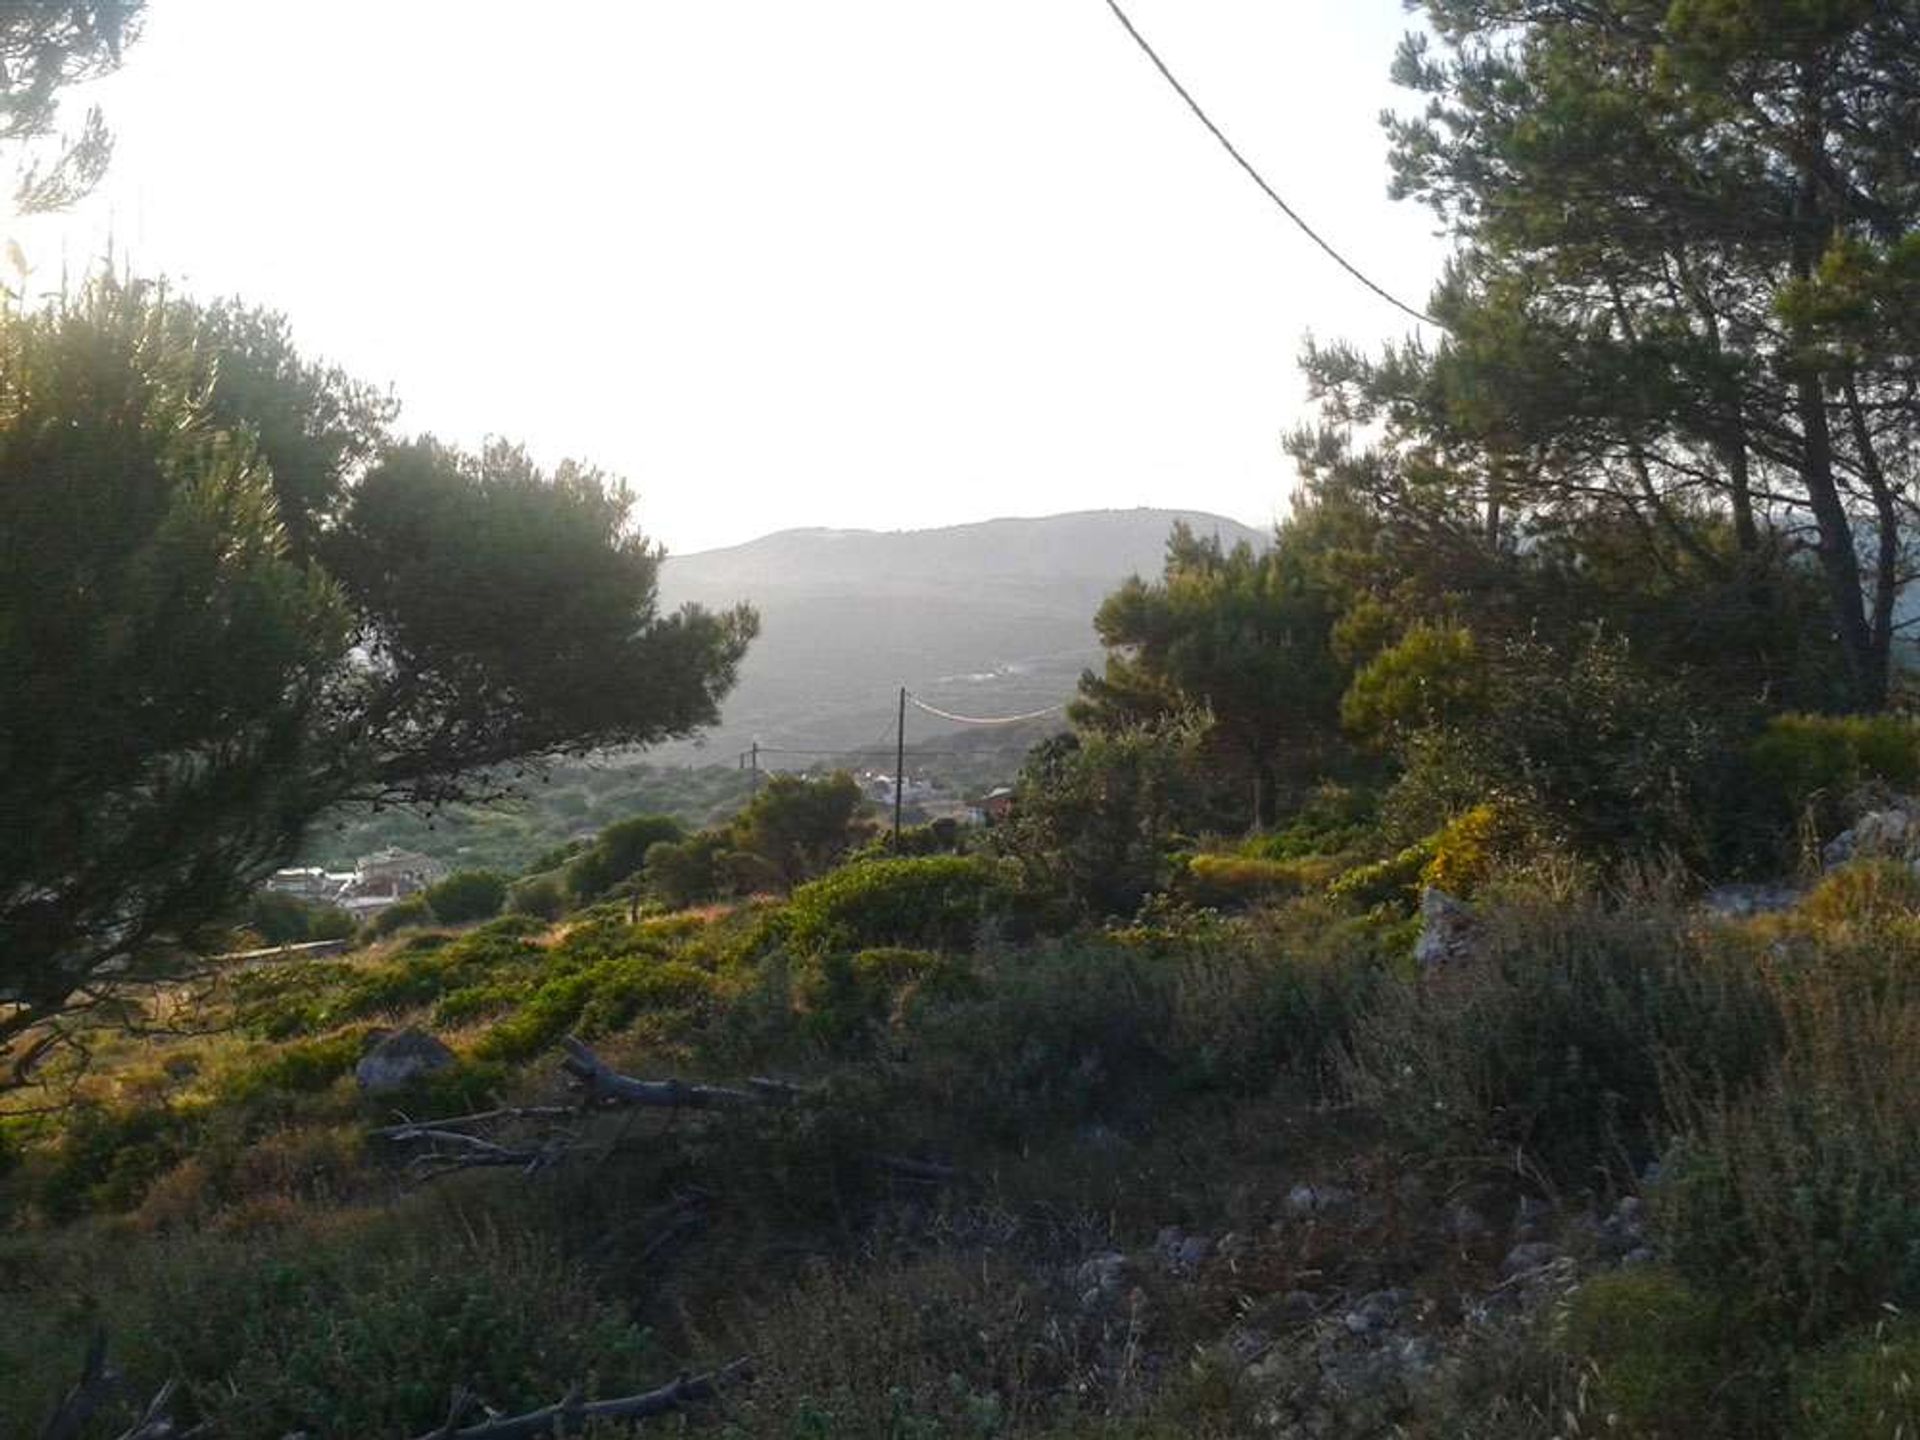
(899, 766)
(756, 768)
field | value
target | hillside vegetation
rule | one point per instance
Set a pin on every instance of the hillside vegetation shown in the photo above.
(1454, 970)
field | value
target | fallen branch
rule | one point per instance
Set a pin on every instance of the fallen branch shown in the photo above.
(602, 1086)
(456, 1150)
(572, 1415)
(483, 1117)
(98, 1383)
(927, 1172)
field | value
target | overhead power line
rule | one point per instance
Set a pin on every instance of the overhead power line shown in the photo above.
(920, 704)
(1261, 180)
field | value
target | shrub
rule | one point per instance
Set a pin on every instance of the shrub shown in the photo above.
(800, 827)
(1656, 1345)
(540, 896)
(1333, 820)
(107, 1159)
(930, 901)
(1469, 847)
(299, 1068)
(281, 919)
(619, 851)
(846, 996)
(1559, 1036)
(688, 873)
(1096, 815)
(1087, 1030)
(1393, 881)
(278, 919)
(1221, 878)
(1804, 1196)
(1862, 1387)
(468, 895)
(363, 1331)
(329, 922)
(413, 910)
(1865, 892)
(1817, 760)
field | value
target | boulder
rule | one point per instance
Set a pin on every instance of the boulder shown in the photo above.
(399, 1059)
(1878, 833)
(1447, 929)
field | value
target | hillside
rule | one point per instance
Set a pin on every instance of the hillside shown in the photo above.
(988, 619)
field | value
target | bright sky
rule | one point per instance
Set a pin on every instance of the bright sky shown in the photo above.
(877, 263)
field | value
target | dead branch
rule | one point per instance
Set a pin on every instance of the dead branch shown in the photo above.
(456, 1150)
(602, 1086)
(571, 1415)
(483, 1117)
(927, 1172)
(99, 1382)
(95, 1386)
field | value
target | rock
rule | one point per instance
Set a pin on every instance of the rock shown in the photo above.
(1101, 1278)
(1525, 1259)
(1467, 1224)
(1299, 1306)
(1738, 902)
(1305, 1201)
(1447, 928)
(399, 1059)
(1244, 1344)
(1876, 833)
(1375, 1312)
(1530, 1217)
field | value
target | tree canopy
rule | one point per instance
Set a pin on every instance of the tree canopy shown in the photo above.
(45, 46)
(229, 599)
(1687, 242)
(1243, 636)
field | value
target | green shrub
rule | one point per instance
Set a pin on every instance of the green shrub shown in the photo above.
(930, 901)
(543, 897)
(619, 851)
(107, 1159)
(1223, 878)
(689, 872)
(329, 922)
(847, 997)
(1096, 816)
(1334, 819)
(1098, 1030)
(1862, 1387)
(1559, 1035)
(413, 910)
(1817, 760)
(1804, 1197)
(1865, 892)
(281, 919)
(1469, 847)
(364, 1331)
(300, 1067)
(1395, 880)
(468, 895)
(1656, 1345)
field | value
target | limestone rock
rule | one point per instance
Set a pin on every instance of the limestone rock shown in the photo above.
(1447, 930)
(399, 1059)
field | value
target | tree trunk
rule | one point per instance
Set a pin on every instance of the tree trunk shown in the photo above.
(1839, 560)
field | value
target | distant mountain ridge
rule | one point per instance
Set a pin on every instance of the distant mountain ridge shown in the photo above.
(985, 619)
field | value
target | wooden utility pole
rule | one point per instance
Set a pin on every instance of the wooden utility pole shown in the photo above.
(899, 766)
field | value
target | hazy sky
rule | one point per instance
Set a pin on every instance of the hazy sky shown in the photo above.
(881, 263)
